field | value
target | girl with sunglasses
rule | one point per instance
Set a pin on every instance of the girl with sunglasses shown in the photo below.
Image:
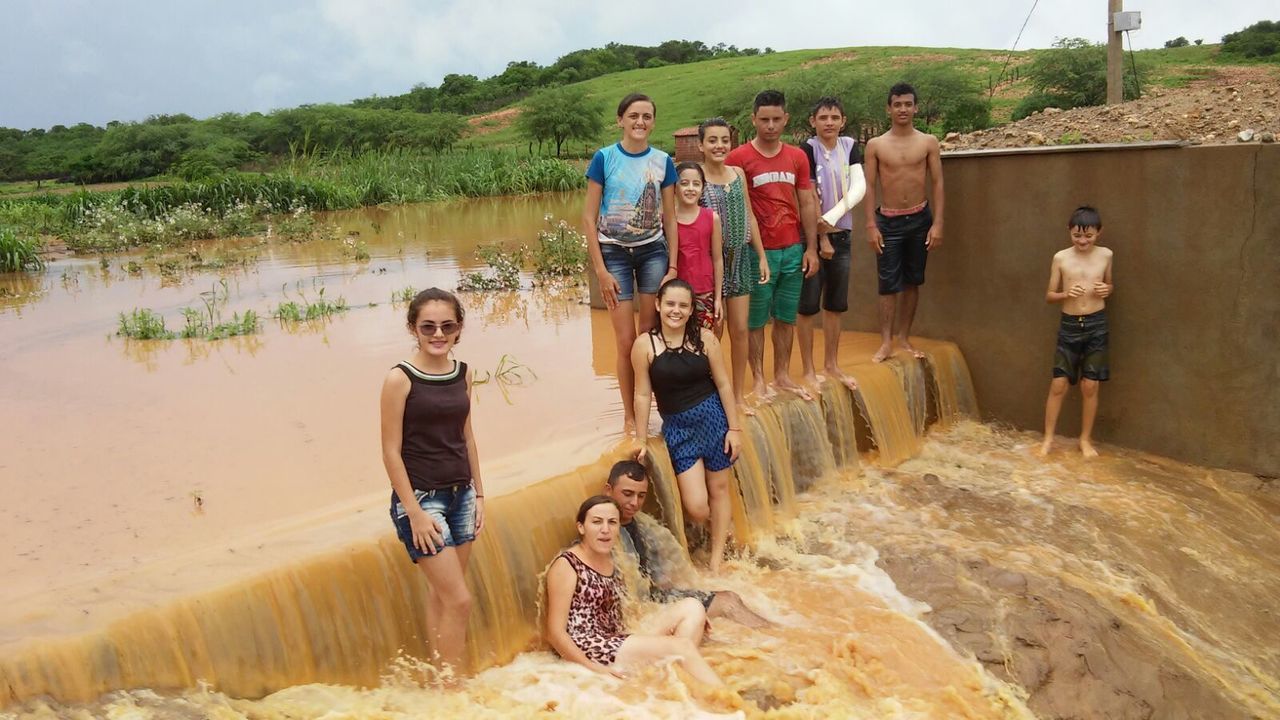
(429, 450)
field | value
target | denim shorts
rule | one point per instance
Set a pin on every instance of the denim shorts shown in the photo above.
(453, 509)
(637, 269)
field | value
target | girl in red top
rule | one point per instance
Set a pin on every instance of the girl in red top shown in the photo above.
(700, 259)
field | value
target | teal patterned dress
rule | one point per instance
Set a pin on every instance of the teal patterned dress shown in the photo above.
(741, 267)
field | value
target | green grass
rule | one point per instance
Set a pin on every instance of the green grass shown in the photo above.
(19, 252)
(26, 187)
(687, 94)
(304, 310)
(143, 324)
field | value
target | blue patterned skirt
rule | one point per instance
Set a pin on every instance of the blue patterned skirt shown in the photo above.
(697, 434)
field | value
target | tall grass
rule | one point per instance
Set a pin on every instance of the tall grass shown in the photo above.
(236, 203)
(18, 253)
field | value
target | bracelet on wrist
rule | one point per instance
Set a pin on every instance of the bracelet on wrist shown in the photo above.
(672, 267)
(735, 429)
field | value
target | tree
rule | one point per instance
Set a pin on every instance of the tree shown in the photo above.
(1073, 73)
(1179, 41)
(1260, 40)
(561, 114)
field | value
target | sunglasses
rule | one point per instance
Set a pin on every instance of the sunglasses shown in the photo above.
(447, 328)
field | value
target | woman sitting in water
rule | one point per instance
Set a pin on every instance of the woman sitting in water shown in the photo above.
(584, 610)
(682, 364)
(437, 502)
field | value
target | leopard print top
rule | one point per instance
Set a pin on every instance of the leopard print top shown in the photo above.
(595, 613)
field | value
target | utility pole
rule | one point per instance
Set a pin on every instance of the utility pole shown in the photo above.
(1115, 55)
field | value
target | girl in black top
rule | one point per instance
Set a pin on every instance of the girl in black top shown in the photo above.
(437, 500)
(682, 364)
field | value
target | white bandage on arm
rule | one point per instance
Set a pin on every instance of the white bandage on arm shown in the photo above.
(853, 194)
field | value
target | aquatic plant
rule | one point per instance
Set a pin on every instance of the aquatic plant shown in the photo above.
(404, 294)
(19, 252)
(305, 310)
(502, 273)
(143, 324)
(561, 251)
(508, 372)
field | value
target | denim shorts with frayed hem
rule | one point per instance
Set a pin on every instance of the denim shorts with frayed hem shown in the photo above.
(453, 509)
(637, 269)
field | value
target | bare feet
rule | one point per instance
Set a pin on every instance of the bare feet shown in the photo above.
(761, 392)
(906, 345)
(813, 381)
(1087, 449)
(883, 353)
(785, 382)
(629, 428)
(846, 380)
(743, 407)
(1045, 447)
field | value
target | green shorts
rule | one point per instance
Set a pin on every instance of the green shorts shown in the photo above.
(780, 297)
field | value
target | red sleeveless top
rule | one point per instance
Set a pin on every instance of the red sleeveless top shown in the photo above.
(695, 265)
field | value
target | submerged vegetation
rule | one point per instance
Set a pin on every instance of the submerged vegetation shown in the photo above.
(560, 255)
(18, 252)
(203, 323)
(303, 310)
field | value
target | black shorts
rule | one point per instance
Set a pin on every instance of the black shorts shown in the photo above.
(1082, 348)
(830, 285)
(901, 261)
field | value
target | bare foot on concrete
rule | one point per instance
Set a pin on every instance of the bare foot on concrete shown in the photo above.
(1045, 447)
(883, 353)
(906, 345)
(743, 406)
(784, 382)
(840, 377)
(1087, 449)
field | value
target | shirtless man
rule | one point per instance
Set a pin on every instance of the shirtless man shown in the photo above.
(1081, 280)
(906, 226)
(628, 485)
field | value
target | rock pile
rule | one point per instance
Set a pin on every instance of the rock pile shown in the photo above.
(1236, 105)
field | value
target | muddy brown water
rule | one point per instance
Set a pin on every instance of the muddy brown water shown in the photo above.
(916, 563)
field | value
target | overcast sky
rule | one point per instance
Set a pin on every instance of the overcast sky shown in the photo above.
(69, 61)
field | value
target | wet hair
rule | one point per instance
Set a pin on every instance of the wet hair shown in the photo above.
(712, 122)
(769, 98)
(692, 330)
(1085, 217)
(633, 98)
(827, 101)
(690, 165)
(593, 501)
(428, 295)
(627, 468)
(901, 89)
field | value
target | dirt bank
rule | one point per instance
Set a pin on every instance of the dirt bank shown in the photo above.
(1210, 111)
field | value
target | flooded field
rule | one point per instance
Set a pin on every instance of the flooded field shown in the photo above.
(198, 528)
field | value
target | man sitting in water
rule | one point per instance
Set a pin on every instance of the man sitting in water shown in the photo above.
(628, 485)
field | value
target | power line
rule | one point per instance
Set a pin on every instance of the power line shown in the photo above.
(1009, 56)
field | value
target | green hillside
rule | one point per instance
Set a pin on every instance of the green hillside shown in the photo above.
(686, 94)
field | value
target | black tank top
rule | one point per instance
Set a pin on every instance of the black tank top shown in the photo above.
(434, 445)
(680, 377)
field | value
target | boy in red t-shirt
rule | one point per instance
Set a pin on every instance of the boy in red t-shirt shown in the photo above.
(779, 185)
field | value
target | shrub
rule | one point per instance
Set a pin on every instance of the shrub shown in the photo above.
(561, 251)
(1260, 40)
(503, 269)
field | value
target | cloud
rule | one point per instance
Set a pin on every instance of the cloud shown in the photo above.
(77, 59)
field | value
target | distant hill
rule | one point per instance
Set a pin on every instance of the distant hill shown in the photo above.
(686, 94)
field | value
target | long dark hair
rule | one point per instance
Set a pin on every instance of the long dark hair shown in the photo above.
(692, 328)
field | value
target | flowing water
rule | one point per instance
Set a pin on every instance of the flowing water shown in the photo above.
(915, 563)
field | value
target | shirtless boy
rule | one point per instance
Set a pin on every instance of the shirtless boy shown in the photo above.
(906, 226)
(1081, 280)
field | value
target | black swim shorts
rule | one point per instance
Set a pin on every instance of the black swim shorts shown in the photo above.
(901, 261)
(830, 285)
(1082, 348)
